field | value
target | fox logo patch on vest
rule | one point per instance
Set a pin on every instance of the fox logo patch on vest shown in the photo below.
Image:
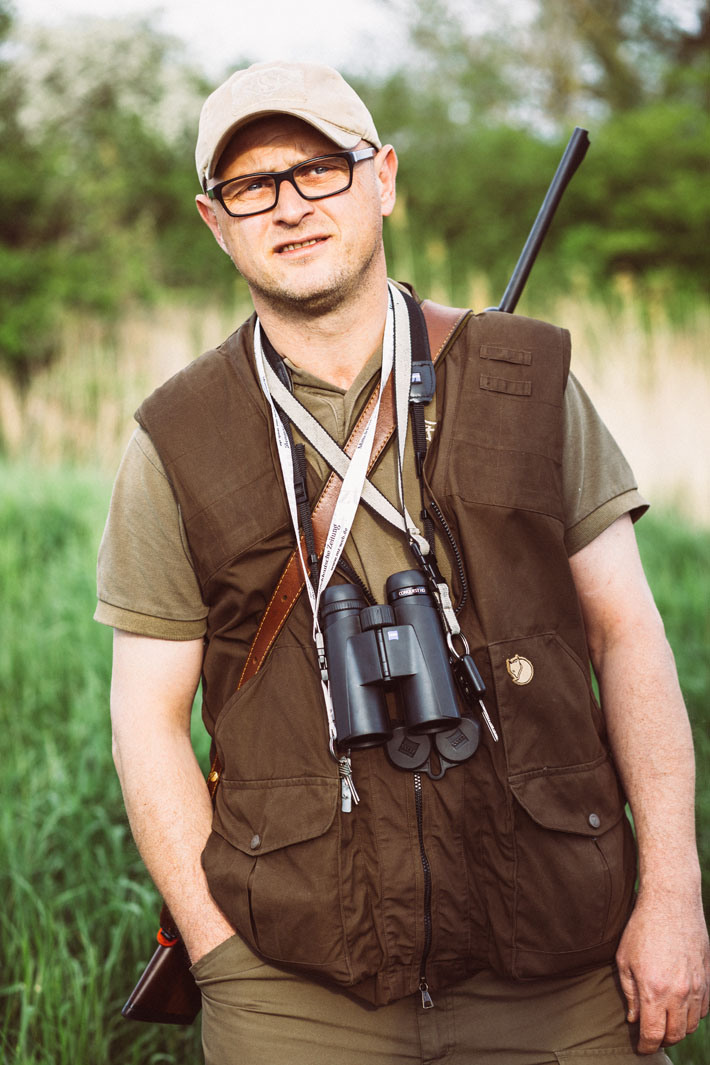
(520, 669)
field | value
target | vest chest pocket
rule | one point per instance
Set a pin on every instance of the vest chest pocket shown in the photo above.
(506, 444)
(574, 853)
(548, 714)
(506, 449)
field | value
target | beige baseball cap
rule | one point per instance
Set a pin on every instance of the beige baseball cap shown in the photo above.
(314, 93)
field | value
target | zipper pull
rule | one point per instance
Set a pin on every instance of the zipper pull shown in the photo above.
(427, 1001)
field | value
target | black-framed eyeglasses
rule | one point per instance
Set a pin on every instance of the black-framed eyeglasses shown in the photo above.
(313, 179)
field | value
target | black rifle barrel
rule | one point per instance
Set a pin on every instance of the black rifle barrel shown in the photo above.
(573, 155)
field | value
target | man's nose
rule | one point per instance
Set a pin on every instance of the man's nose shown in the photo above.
(291, 206)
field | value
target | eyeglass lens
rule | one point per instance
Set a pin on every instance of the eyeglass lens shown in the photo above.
(314, 179)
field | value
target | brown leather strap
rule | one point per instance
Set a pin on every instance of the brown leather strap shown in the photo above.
(442, 323)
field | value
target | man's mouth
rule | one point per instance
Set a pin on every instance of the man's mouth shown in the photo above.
(298, 245)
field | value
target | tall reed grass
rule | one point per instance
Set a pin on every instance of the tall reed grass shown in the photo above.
(648, 374)
(76, 904)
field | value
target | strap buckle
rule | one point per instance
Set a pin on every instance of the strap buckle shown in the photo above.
(423, 382)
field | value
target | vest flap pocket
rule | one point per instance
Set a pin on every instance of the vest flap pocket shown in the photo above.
(584, 799)
(260, 816)
(574, 867)
(548, 715)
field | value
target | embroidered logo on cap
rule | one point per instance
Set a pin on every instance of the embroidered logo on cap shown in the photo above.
(520, 669)
(264, 85)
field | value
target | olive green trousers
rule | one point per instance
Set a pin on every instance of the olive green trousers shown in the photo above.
(255, 1014)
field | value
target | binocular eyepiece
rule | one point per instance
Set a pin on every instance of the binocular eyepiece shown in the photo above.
(373, 649)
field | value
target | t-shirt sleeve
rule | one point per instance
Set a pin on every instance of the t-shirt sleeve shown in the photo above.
(146, 583)
(598, 483)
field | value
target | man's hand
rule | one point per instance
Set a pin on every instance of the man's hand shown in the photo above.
(200, 941)
(664, 968)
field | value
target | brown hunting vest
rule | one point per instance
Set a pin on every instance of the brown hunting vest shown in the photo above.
(521, 859)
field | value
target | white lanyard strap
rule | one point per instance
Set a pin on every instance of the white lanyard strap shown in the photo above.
(353, 477)
(336, 458)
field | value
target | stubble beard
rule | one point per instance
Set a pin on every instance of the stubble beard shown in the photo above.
(290, 301)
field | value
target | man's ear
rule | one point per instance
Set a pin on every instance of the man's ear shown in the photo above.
(208, 216)
(386, 170)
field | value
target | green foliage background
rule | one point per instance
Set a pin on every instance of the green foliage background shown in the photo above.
(98, 119)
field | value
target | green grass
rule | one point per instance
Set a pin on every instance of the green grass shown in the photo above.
(78, 914)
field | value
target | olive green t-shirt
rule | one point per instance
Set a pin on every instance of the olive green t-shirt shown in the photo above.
(146, 582)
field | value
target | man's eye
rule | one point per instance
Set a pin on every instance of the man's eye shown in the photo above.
(255, 185)
(319, 169)
(248, 188)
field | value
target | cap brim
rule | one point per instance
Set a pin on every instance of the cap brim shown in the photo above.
(345, 139)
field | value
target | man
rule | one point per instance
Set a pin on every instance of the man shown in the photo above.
(493, 881)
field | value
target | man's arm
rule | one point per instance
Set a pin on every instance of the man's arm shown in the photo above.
(167, 801)
(663, 956)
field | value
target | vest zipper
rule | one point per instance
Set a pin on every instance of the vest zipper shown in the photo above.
(456, 553)
(345, 567)
(427, 1002)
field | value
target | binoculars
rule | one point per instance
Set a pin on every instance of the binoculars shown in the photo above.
(374, 649)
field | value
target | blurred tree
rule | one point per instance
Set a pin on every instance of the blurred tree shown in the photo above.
(24, 315)
(641, 205)
(97, 118)
(481, 112)
(604, 57)
(556, 61)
